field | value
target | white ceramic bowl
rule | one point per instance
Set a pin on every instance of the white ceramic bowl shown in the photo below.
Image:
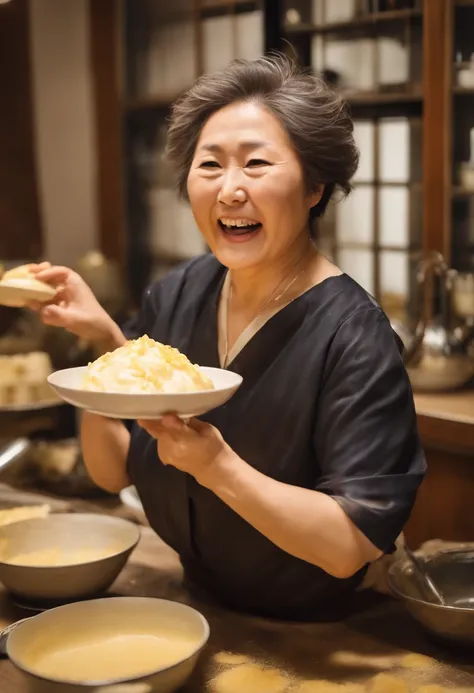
(101, 620)
(67, 384)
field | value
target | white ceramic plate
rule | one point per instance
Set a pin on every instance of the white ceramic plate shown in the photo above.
(67, 384)
(16, 293)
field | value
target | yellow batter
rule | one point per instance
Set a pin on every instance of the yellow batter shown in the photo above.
(111, 657)
(55, 556)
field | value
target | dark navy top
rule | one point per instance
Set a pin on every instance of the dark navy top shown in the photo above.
(325, 404)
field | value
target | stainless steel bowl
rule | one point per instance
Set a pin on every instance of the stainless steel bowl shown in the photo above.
(66, 532)
(453, 573)
(70, 626)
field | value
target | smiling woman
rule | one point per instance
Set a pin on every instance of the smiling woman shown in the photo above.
(279, 500)
(258, 184)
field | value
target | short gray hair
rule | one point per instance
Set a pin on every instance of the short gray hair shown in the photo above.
(315, 117)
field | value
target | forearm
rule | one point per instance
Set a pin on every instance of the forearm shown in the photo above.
(305, 523)
(105, 443)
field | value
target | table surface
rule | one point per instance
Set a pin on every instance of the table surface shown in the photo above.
(377, 634)
(454, 406)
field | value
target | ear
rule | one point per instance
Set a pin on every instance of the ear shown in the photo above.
(316, 196)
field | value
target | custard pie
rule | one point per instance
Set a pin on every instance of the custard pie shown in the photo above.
(18, 286)
(144, 366)
(21, 277)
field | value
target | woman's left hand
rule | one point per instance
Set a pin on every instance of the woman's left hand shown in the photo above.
(194, 447)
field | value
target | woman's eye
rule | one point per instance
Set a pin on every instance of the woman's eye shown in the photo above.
(209, 164)
(256, 162)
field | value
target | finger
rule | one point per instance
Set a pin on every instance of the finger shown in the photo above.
(60, 316)
(198, 426)
(179, 429)
(172, 422)
(61, 294)
(54, 275)
(39, 267)
(153, 427)
(38, 306)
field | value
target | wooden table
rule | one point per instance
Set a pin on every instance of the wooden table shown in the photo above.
(446, 421)
(379, 631)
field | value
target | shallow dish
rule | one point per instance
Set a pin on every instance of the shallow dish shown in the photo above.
(17, 293)
(68, 533)
(67, 384)
(49, 635)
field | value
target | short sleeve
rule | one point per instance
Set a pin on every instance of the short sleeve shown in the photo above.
(366, 437)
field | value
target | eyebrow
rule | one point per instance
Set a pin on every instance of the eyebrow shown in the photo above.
(246, 146)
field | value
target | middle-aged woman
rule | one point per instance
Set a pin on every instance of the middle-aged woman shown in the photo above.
(278, 501)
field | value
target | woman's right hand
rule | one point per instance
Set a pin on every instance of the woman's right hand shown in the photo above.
(75, 308)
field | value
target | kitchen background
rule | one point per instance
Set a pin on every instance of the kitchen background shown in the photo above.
(86, 88)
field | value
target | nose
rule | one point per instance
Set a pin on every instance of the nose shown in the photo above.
(232, 191)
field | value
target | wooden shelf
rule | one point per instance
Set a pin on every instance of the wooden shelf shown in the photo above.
(410, 249)
(463, 90)
(360, 22)
(458, 192)
(226, 4)
(446, 420)
(144, 103)
(449, 406)
(221, 7)
(352, 97)
(362, 97)
(411, 185)
(378, 97)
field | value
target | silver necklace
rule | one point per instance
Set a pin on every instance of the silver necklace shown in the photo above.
(274, 296)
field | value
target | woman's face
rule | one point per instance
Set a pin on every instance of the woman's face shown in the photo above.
(246, 187)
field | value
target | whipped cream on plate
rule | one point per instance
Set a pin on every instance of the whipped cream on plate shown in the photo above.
(144, 366)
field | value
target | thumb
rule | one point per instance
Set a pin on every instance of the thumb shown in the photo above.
(199, 426)
(59, 316)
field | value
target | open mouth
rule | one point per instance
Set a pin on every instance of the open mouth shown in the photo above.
(239, 227)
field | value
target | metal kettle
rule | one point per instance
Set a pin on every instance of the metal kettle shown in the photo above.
(437, 352)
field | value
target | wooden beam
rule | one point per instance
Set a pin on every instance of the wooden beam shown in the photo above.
(105, 52)
(436, 129)
(273, 21)
(20, 224)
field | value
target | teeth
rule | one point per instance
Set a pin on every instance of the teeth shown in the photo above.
(233, 223)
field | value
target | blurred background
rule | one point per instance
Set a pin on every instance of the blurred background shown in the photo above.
(86, 89)
(87, 86)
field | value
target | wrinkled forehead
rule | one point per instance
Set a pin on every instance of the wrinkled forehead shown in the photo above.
(242, 126)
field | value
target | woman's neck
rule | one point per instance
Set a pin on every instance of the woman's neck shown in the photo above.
(251, 287)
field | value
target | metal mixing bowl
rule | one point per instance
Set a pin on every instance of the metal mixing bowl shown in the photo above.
(67, 532)
(453, 573)
(101, 619)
